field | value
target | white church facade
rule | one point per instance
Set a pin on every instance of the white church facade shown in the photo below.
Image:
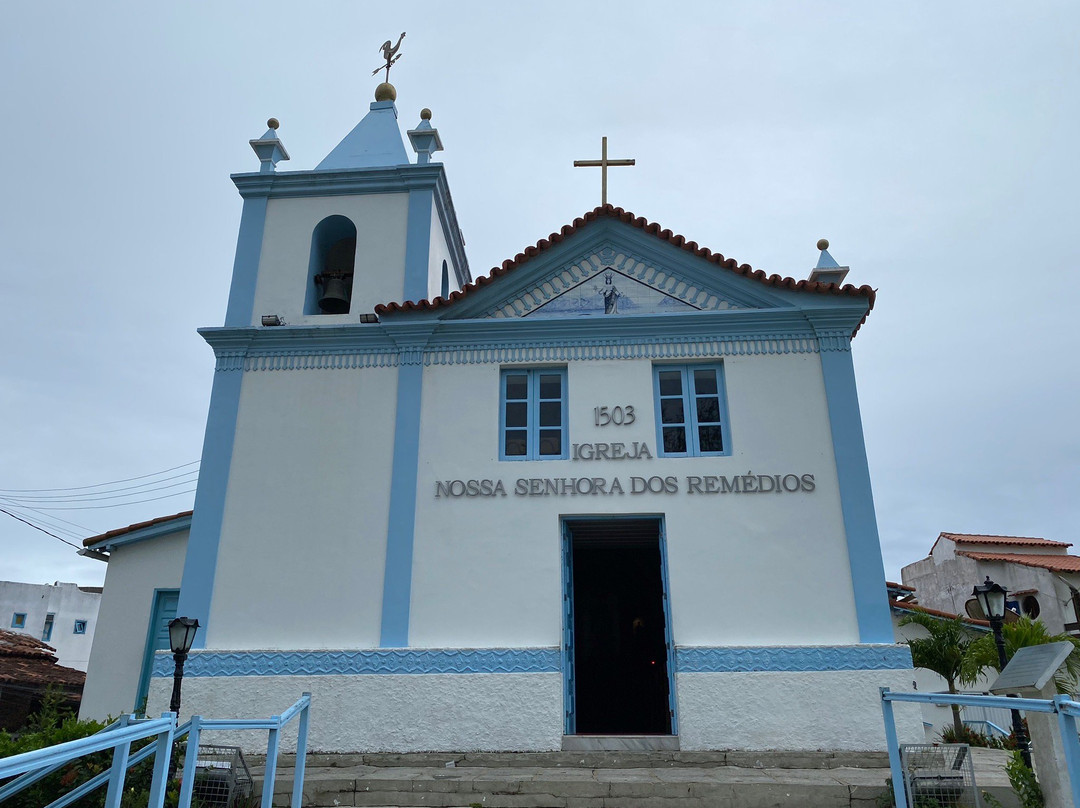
(575, 503)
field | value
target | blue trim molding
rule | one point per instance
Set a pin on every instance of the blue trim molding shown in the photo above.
(356, 663)
(417, 245)
(200, 564)
(397, 574)
(856, 496)
(801, 659)
(246, 264)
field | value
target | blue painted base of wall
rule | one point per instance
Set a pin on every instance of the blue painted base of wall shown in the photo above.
(525, 660)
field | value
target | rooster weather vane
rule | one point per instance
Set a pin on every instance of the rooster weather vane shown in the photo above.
(390, 53)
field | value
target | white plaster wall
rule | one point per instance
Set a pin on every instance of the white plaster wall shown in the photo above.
(439, 252)
(67, 603)
(774, 710)
(303, 539)
(486, 571)
(283, 280)
(394, 713)
(134, 572)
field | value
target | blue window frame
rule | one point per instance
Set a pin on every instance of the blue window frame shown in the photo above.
(532, 414)
(80, 626)
(18, 620)
(46, 632)
(691, 411)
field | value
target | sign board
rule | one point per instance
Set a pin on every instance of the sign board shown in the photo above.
(1032, 668)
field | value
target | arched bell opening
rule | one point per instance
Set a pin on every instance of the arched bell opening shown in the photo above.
(331, 266)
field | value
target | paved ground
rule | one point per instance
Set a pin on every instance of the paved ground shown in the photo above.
(559, 780)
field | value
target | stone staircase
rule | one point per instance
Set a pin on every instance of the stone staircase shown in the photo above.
(732, 779)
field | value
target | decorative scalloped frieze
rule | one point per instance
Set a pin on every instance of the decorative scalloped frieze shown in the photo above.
(793, 658)
(362, 662)
(550, 350)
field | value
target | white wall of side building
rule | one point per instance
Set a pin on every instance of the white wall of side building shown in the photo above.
(67, 603)
(135, 572)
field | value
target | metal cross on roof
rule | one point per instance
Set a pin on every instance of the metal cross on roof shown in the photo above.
(603, 162)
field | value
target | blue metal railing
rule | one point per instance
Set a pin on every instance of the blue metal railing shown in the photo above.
(120, 735)
(991, 728)
(1066, 709)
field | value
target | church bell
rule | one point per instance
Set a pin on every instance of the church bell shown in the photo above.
(334, 297)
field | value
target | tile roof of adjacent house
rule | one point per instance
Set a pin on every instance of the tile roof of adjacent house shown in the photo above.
(905, 606)
(979, 538)
(612, 212)
(1055, 563)
(27, 660)
(120, 531)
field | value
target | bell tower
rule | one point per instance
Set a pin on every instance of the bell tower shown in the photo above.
(365, 226)
(317, 251)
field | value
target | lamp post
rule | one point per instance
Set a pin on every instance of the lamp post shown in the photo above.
(181, 636)
(991, 598)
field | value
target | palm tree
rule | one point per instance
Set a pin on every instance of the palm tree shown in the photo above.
(944, 652)
(1024, 632)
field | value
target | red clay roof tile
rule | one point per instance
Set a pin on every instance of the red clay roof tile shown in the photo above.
(1055, 563)
(904, 605)
(978, 538)
(120, 531)
(612, 212)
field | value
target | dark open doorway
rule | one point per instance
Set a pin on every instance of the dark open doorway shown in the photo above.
(619, 640)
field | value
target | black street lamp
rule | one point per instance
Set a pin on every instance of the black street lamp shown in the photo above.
(181, 636)
(991, 598)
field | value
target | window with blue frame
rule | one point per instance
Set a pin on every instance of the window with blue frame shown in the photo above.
(18, 620)
(80, 626)
(46, 633)
(532, 417)
(690, 410)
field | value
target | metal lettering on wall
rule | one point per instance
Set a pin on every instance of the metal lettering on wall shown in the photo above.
(623, 415)
(609, 486)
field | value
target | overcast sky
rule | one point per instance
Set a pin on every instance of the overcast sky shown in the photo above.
(933, 143)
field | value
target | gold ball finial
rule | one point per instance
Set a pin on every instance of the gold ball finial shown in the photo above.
(823, 244)
(273, 123)
(425, 114)
(385, 92)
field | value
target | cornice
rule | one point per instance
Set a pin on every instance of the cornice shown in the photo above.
(390, 179)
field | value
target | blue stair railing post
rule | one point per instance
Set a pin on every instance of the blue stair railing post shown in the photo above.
(270, 776)
(301, 753)
(892, 743)
(1066, 713)
(187, 784)
(118, 772)
(162, 758)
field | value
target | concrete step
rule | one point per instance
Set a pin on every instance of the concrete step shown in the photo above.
(788, 780)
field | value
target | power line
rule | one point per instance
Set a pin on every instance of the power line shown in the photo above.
(98, 485)
(50, 522)
(114, 505)
(43, 530)
(93, 494)
(98, 496)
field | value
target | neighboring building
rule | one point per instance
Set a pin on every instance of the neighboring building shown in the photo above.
(142, 586)
(61, 614)
(573, 504)
(28, 668)
(1042, 578)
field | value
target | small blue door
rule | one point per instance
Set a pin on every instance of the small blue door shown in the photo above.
(157, 638)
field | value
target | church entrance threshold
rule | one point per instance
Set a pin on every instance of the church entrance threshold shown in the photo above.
(618, 651)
